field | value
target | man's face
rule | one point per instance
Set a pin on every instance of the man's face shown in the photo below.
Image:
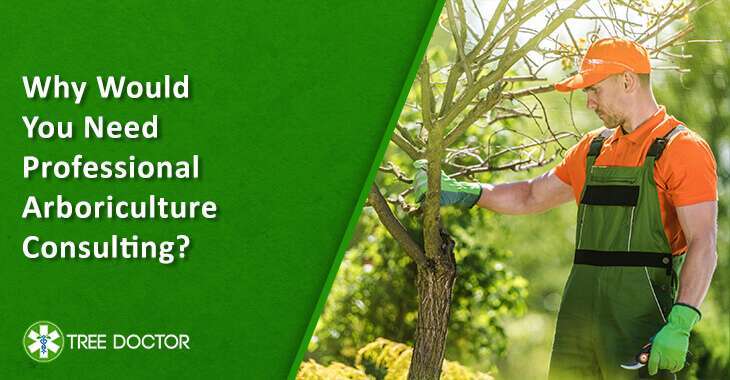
(605, 99)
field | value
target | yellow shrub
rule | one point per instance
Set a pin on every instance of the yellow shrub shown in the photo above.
(395, 358)
(311, 370)
(389, 359)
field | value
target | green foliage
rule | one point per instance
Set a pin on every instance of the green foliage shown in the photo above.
(374, 295)
(382, 359)
(486, 290)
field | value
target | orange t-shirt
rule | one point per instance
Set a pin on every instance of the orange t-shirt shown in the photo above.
(685, 174)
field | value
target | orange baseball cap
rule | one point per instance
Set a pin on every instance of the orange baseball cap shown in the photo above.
(606, 57)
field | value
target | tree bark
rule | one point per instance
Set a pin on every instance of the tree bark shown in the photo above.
(435, 283)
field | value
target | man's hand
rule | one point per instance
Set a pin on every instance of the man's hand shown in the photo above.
(453, 192)
(670, 345)
(699, 224)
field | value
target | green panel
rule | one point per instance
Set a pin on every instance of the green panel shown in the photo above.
(289, 103)
(364, 193)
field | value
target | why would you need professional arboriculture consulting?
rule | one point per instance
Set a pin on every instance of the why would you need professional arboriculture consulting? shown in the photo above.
(84, 170)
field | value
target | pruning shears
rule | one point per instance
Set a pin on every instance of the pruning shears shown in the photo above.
(640, 359)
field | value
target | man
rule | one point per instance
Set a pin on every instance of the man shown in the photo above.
(646, 229)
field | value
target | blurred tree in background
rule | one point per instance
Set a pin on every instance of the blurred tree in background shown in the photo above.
(701, 98)
(496, 325)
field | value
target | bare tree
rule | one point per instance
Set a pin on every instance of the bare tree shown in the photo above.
(495, 75)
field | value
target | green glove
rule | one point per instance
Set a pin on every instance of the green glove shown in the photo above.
(453, 192)
(669, 348)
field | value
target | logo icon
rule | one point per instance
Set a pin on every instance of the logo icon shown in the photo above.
(43, 341)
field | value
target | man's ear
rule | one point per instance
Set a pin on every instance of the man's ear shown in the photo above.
(630, 81)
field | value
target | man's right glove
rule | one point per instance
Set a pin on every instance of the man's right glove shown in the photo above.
(453, 192)
(670, 345)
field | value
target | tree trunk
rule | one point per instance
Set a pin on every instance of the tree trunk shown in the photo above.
(435, 283)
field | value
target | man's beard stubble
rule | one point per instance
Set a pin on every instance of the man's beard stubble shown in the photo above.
(610, 121)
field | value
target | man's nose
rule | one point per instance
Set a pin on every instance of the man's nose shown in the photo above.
(591, 103)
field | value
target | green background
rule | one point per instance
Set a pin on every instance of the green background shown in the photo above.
(289, 105)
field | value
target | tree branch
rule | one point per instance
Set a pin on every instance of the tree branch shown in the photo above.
(395, 170)
(394, 227)
(674, 16)
(513, 26)
(528, 91)
(493, 97)
(412, 152)
(675, 37)
(424, 73)
(507, 61)
(458, 40)
(432, 209)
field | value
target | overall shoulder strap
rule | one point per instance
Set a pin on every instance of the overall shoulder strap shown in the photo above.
(597, 143)
(657, 147)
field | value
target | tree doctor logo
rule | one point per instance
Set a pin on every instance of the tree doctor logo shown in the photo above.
(43, 341)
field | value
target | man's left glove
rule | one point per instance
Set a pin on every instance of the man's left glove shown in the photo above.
(453, 192)
(670, 345)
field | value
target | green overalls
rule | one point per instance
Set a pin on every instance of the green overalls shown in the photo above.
(624, 278)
